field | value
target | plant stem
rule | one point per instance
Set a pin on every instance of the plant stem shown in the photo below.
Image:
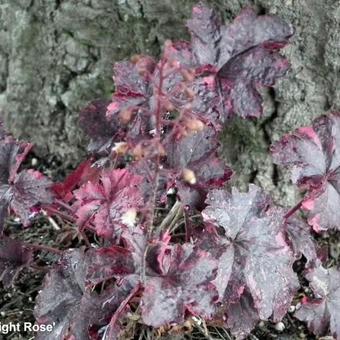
(120, 310)
(51, 220)
(63, 215)
(64, 205)
(43, 247)
(293, 210)
(172, 217)
(39, 268)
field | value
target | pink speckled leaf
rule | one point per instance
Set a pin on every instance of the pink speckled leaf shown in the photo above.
(110, 203)
(313, 155)
(322, 312)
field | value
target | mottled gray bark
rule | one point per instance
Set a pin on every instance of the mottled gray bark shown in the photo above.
(56, 55)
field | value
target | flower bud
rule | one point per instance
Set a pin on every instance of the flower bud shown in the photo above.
(189, 176)
(194, 125)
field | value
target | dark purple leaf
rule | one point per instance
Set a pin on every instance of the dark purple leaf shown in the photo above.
(244, 73)
(176, 278)
(195, 164)
(21, 192)
(322, 312)
(262, 259)
(14, 256)
(313, 155)
(302, 242)
(242, 56)
(29, 189)
(185, 285)
(106, 263)
(93, 121)
(76, 308)
(242, 316)
(130, 106)
(207, 103)
(173, 77)
(205, 29)
(132, 77)
(152, 182)
(12, 154)
(221, 250)
(215, 44)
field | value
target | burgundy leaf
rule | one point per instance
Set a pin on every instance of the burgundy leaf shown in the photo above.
(110, 203)
(262, 259)
(322, 313)
(185, 285)
(244, 73)
(215, 44)
(301, 240)
(221, 250)
(242, 316)
(12, 154)
(242, 56)
(153, 180)
(83, 173)
(313, 155)
(106, 263)
(29, 189)
(14, 256)
(129, 109)
(195, 164)
(93, 121)
(173, 76)
(76, 308)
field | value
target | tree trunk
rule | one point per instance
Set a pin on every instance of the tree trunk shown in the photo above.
(57, 55)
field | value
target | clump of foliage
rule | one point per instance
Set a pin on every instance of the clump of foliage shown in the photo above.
(164, 241)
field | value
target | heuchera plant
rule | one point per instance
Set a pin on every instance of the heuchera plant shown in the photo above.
(163, 240)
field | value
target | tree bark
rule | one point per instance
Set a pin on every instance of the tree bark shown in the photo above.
(57, 55)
